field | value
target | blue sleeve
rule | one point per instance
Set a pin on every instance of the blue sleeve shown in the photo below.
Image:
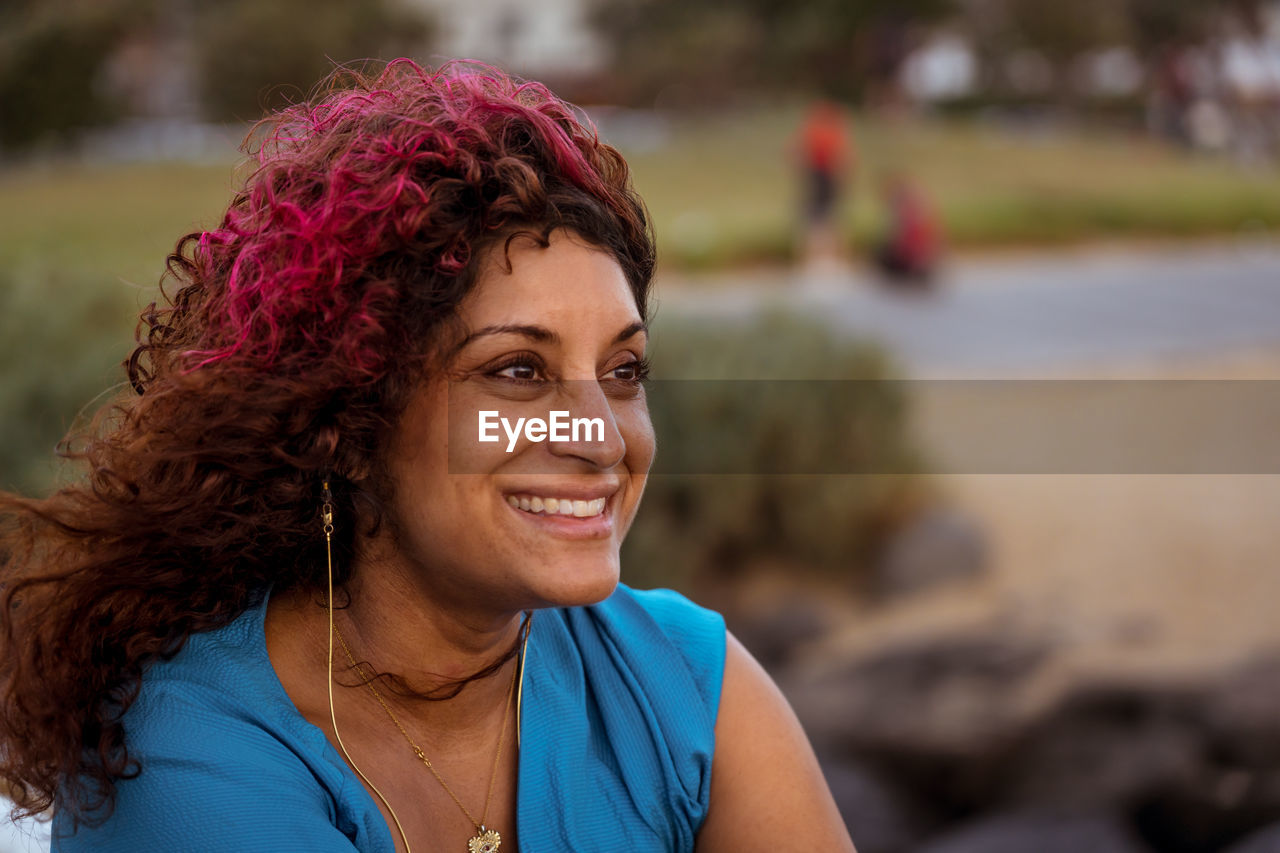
(212, 779)
(697, 633)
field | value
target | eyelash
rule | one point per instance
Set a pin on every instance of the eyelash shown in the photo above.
(639, 365)
(516, 361)
(641, 368)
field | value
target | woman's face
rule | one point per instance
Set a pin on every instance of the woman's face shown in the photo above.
(514, 523)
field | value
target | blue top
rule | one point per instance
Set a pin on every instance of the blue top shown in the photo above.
(617, 736)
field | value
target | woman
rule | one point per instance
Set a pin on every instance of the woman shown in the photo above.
(299, 604)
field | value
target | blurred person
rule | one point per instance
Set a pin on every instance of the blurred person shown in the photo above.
(273, 616)
(826, 159)
(911, 249)
(1172, 93)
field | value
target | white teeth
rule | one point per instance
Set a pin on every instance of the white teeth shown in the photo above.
(558, 506)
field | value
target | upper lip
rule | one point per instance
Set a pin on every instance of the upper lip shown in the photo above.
(577, 492)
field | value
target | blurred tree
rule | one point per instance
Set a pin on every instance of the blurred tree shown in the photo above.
(1063, 32)
(711, 47)
(253, 56)
(1157, 24)
(1058, 35)
(51, 58)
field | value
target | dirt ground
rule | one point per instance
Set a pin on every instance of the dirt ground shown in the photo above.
(1153, 576)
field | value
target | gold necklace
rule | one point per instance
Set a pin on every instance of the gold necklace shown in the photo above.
(486, 840)
(482, 843)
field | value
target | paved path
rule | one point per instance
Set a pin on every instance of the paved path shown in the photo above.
(1045, 313)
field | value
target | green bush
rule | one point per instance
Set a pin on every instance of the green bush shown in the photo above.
(765, 401)
(62, 339)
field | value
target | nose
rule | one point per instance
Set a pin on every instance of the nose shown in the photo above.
(596, 426)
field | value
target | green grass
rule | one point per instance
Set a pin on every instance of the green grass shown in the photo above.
(118, 222)
(82, 251)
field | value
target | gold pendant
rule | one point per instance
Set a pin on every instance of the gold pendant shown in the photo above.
(488, 841)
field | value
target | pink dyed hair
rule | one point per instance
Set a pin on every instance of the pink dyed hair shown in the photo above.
(432, 163)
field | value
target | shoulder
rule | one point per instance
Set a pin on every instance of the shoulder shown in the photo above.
(792, 805)
(224, 762)
(219, 689)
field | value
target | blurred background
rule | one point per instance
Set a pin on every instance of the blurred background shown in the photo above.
(887, 196)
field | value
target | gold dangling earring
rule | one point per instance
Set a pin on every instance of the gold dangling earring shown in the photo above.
(326, 516)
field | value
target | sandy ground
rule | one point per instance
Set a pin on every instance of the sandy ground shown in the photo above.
(1130, 576)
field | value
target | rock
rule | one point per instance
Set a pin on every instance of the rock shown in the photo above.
(878, 818)
(1105, 746)
(1210, 812)
(772, 633)
(939, 546)
(1039, 833)
(942, 695)
(984, 724)
(1243, 713)
(1265, 840)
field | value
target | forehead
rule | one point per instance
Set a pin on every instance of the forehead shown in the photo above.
(569, 281)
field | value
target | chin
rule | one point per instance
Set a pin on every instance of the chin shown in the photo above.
(580, 586)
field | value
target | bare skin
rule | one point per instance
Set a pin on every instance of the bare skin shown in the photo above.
(767, 791)
(441, 590)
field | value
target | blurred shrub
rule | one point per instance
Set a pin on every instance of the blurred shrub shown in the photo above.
(253, 56)
(695, 527)
(62, 338)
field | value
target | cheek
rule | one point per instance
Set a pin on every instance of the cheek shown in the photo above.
(464, 451)
(423, 489)
(637, 431)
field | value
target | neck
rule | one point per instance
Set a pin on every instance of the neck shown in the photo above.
(396, 627)
(399, 628)
(392, 628)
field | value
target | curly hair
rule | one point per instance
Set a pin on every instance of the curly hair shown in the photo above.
(293, 336)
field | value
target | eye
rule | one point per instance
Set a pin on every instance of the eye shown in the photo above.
(522, 368)
(632, 371)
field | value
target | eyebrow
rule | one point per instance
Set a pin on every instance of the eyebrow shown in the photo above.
(542, 334)
(631, 331)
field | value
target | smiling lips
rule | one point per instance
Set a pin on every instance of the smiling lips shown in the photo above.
(539, 505)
